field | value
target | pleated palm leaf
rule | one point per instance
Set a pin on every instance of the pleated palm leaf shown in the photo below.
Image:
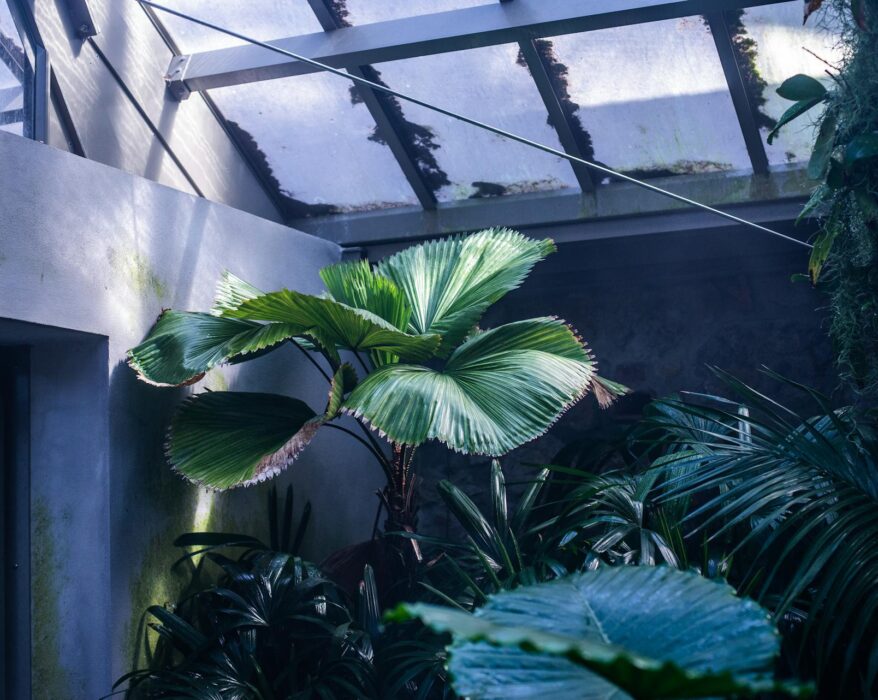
(618, 632)
(412, 324)
(800, 496)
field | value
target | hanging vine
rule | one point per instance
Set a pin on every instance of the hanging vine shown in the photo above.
(844, 262)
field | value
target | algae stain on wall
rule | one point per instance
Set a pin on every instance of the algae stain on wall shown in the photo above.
(216, 380)
(161, 580)
(136, 269)
(50, 679)
(158, 581)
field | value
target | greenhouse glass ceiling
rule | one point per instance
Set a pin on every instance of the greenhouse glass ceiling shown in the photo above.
(12, 62)
(644, 99)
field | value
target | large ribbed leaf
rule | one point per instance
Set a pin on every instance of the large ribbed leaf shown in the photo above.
(223, 439)
(231, 292)
(183, 345)
(498, 390)
(450, 283)
(641, 632)
(356, 284)
(332, 324)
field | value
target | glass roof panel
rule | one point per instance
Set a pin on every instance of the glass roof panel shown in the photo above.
(11, 52)
(368, 11)
(653, 98)
(262, 19)
(318, 143)
(486, 84)
(12, 63)
(781, 40)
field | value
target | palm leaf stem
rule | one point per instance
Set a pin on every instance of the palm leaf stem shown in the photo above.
(362, 362)
(386, 465)
(382, 460)
(313, 361)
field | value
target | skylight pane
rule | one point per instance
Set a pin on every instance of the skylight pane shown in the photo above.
(12, 74)
(12, 57)
(781, 40)
(486, 84)
(654, 98)
(319, 145)
(368, 11)
(262, 19)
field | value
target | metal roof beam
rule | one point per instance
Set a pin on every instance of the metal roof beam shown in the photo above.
(383, 119)
(557, 117)
(744, 107)
(621, 203)
(484, 25)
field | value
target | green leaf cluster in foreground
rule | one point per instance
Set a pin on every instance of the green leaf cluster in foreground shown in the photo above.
(623, 632)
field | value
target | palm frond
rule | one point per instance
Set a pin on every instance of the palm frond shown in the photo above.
(498, 390)
(451, 282)
(799, 494)
(333, 324)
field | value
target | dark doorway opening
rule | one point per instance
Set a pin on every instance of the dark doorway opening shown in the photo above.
(15, 521)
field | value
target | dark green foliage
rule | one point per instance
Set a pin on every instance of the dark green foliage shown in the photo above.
(500, 550)
(266, 625)
(271, 627)
(624, 632)
(797, 498)
(844, 262)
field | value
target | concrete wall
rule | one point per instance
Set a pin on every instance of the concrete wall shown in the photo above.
(92, 250)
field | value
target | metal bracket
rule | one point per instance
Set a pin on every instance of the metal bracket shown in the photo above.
(175, 78)
(81, 16)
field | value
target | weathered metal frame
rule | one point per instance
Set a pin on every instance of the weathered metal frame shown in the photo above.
(557, 117)
(383, 120)
(744, 109)
(37, 92)
(82, 18)
(520, 21)
(612, 210)
(455, 30)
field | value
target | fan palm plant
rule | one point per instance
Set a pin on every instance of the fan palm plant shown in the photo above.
(798, 495)
(411, 323)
